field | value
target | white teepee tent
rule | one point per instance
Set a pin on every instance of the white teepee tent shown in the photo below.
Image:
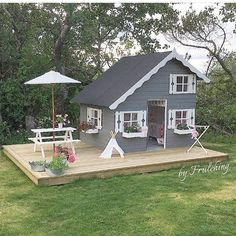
(112, 144)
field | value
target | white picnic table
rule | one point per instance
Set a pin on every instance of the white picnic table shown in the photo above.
(60, 139)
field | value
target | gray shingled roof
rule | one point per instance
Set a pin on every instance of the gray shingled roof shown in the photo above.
(114, 82)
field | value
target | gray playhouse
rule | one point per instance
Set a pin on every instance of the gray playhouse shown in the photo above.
(145, 99)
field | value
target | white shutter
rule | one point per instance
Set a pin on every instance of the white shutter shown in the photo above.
(99, 119)
(89, 114)
(192, 84)
(117, 122)
(192, 117)
(121, 122)
(142, 118)
(172, 84)
(171, 119)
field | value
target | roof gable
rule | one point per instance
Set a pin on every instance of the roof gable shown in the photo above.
(125, 76)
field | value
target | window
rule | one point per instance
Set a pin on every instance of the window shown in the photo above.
(180, 84)
(181, 116)
(94, 116)
(128, 119)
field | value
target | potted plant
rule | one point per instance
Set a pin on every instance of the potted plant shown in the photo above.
(183, 129)
(56, 167)
(88, 128)
(38, 166)
(134, 131)
(62, 120)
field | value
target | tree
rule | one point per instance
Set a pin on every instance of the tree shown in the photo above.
(202, 30)
(79, 40)
(229, 13)
(216, 101)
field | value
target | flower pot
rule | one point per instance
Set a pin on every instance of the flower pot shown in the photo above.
(36, 167)
(134, 135)
(91, 131)
(183, 131)
(60, 125)
(54, 172)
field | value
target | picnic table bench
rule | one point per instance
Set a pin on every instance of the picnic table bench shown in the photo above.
(58, 139)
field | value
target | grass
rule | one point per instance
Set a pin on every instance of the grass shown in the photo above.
(149, 204)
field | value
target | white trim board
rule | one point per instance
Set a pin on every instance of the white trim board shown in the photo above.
(146, 77)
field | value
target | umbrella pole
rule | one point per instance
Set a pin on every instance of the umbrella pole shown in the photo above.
(53, 116)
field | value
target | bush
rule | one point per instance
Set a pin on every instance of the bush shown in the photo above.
(4, 133)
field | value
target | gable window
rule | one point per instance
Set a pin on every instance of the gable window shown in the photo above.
(181, 116)
(182, 83)
(94, 116)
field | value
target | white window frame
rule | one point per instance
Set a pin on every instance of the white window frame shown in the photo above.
(119, 119)
(182, 118)
(90, 116)
(131, 120)
(190, 117)
(191, 84)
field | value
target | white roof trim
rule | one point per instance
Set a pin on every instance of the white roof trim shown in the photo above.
(146, 77)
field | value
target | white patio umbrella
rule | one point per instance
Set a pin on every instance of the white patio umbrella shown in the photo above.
(52, 78)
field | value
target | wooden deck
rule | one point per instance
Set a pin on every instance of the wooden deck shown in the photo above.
(89, 165)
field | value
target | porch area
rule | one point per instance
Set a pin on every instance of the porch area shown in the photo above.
(89, 165)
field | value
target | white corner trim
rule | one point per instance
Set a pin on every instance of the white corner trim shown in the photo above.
(146, 77)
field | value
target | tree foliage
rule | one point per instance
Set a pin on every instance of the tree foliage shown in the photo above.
(216, 102)
(79, 40)
(203, 30)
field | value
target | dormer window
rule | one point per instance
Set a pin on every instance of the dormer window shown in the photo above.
(182, 83)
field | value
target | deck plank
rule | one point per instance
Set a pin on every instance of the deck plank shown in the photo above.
(89, 165)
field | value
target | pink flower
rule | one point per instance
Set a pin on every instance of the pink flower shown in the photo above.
(71, 158)
(70, 152)
(194, 134)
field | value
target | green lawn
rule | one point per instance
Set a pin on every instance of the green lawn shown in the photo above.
(149, 204)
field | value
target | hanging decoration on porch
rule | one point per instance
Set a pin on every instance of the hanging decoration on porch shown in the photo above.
(112, 144)
(196, 136)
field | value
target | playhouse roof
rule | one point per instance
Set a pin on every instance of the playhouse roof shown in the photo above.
(125, 76)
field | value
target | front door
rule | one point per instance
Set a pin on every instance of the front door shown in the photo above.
(156, 124)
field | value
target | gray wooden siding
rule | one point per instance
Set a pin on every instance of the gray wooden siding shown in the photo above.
(158, 88)
(101, 139)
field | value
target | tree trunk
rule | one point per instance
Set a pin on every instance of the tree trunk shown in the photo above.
(60, 67)
(29, 122)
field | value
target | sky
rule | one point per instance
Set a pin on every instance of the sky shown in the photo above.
(199, 57)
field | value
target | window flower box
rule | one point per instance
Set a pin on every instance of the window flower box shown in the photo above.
(183, 129)
(138, 134)
(134, 135)
(91, 131)
(88, 128)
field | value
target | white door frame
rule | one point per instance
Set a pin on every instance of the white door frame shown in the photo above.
(165, 119)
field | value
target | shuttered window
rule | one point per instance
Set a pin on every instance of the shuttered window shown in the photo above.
(181, 116)
(129, 118)
(182, 83)
(94, 116)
